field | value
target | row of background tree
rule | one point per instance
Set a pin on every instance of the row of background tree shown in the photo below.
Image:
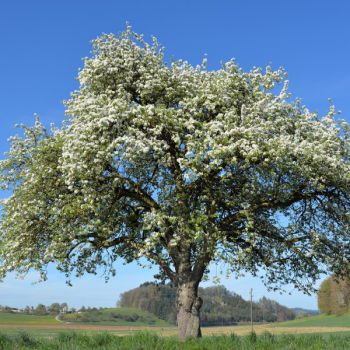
(220, 306)
(334, 296)
(54, 308)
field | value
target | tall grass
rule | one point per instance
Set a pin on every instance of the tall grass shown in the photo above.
(146, 340)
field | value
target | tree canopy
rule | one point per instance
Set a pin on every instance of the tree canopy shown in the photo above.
(182, 166)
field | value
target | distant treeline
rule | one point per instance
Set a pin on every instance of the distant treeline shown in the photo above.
(220, 306)
(334, 296)
(53, 309)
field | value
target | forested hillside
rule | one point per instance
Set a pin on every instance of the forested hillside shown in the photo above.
(334, 297)
(220, 307)
(282, 313)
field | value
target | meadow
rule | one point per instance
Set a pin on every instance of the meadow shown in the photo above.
(319, 321)
(117, 317)
(103, 317)
(317, 332)
(20, 318)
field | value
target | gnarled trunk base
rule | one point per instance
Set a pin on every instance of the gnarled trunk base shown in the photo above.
(188, 305)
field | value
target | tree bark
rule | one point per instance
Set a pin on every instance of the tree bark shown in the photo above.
(188, 305)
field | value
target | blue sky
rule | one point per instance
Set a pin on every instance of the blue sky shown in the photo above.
(42, 43)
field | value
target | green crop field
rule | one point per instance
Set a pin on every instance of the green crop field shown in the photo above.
(24, 318)
(103, 317)
(318, 321)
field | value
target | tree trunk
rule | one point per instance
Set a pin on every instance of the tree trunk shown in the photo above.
(188, 305)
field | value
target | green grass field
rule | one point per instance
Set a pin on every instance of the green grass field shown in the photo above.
(23, 318)
(319, 321)
(102, 317)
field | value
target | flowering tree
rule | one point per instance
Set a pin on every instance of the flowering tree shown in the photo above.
(183, 167)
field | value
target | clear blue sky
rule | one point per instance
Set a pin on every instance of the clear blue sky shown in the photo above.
(42, 43)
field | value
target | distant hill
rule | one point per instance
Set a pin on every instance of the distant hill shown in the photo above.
(312, 312)
(221, 307)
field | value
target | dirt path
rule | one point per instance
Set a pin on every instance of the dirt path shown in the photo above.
(57, 319)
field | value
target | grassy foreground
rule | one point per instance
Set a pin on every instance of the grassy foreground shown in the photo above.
(146, 340)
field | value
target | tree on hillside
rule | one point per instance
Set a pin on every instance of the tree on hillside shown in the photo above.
(334, 296)
(181, 166)
(54, 308)
(40, 309)
(215, 291)
(323, 296)
(302, 314)
(283, 313)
